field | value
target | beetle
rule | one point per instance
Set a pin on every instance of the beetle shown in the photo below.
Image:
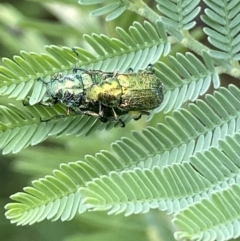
(106, 95)
(130, 92)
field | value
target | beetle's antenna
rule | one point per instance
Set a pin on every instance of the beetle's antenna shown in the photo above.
(78, 59)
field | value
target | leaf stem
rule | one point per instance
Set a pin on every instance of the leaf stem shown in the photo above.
(182, 37)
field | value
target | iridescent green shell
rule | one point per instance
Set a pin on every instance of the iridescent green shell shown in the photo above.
(140, 91)
(106, 95)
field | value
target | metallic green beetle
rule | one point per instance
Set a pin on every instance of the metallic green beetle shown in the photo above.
(70, 90)
(129, 92)
(106, 95)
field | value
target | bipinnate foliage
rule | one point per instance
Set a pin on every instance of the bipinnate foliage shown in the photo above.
(187, 165)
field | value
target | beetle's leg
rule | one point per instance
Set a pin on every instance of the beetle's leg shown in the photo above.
(83, 70)
(101, 116)
(142, 113)
(91, 113)
(47, 104)
(68, 111)
(75, 51)
(115, 73)
(122, 123)
(138, 118)
(130, 70)
(117, 118)
(52, 118)
(42, 80)
(150, 69)
(145, 112)
(100, 110)
(25, 102)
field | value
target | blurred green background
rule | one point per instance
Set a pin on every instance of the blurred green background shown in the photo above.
(29, 25)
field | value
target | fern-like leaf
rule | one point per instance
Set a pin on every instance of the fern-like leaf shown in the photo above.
(196, 80)
(123, 192)
(179, 14)
(24, 128)
(98, 177)
(114, 8)
(208, 123)
(132, 191)
(138, 191)
(203, 122)
(59, 196)
(213, 219)
(222, 17)
(19, 77)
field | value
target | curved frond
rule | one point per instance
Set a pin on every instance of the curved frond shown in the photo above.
(188, 131)
(222, 17)
(53, 197)
(179, 133)
(105, 185)
(114, 8)
(220, 165)
(24, 127)
(137, 191)
(59, 196)
(185, 78)
(144, 44)
(196, 81)
(179, 14)
(176, 185)
(19, 77)
(214, 219)
(188, 165)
